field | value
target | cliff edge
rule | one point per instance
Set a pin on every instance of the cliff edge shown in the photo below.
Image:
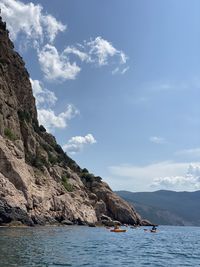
(39, 183)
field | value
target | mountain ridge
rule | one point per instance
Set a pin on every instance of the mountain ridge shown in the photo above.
(165, 206)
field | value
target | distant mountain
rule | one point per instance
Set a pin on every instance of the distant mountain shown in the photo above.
(166, 207)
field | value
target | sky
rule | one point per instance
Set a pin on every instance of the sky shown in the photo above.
(118, 84)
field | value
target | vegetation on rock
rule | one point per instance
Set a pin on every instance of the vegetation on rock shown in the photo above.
(9, 134)
(66, 183)
(24, 115)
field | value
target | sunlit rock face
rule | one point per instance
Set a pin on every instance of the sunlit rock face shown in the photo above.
(39, 183)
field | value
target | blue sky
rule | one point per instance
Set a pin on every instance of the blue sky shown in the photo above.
(118, 84)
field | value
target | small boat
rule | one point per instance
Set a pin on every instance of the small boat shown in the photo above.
(153, 231)
(118, 230)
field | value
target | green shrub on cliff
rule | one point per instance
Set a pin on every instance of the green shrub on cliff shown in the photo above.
(9, 134)
(52, 159)
(85, 170)
(89, 177)
(66, 184)
(38, 161)
(46, 147)
(24, 115)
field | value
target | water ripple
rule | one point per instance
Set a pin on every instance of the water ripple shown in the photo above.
(97, 247)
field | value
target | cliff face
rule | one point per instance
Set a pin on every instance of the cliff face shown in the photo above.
(39, 183)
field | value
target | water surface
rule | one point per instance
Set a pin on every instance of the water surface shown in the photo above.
(83, 246)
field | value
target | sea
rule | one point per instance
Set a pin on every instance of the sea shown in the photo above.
(84, 246)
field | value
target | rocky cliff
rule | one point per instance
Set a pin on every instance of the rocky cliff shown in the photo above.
(39, 183)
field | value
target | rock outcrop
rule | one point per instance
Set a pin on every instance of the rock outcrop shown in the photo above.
(39, 183)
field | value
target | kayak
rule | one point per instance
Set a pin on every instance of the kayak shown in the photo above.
(118, 230)
(153, 231)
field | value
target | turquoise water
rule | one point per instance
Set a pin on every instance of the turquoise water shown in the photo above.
(83, 246)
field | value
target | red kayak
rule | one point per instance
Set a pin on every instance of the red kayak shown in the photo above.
(118, 230)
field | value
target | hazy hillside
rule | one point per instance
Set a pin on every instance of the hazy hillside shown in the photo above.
(166, 207)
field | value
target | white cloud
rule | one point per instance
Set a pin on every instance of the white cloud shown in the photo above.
(43, 96)
(124, 70)
(189, 181)
(141, 178)
(50, 120)
(115, 71)
(157, 140)
(33, 26)
(123, 57)
(73, 50)
(149, 171)
(100, 50)
(76, 143)
(118, 70)
(45, 99)
(30, 21)
(56, 66)
(178, 176)
(52, 27)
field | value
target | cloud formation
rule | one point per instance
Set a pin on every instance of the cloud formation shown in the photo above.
(100, 50)
(191, 180)
(50, 120)
(31, 25)
(30, 20)
(178, 176)
(119, 70)
(57, 66)
(66, 65)
(72, 50)
(162, 175)
(150, 171)
(76, 143)
(43, 96)
(157, 140)
(45, 101)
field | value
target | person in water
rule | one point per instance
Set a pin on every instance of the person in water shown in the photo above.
(116, 226)
(154, 228)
